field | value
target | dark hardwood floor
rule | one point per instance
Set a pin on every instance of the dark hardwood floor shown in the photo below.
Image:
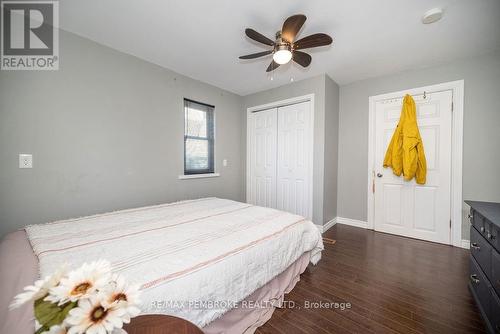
(394, 284)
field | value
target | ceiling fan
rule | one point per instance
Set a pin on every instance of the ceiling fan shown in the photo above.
(284, 47)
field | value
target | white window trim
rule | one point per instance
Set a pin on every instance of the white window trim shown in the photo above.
(198, 176)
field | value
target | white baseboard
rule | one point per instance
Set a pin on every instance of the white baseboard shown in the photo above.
(352, 222)
(339, 220)
(359, 223)
(328, 225)
(362, 224)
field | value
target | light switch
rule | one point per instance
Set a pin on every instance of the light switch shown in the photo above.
(224, 162)
(25, 161)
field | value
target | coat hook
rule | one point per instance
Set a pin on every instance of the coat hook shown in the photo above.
(424, 94)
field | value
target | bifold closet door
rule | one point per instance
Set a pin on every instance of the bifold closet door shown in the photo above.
(294, 159)
(262, 147)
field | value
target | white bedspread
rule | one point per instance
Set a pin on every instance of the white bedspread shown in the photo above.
(198, 251)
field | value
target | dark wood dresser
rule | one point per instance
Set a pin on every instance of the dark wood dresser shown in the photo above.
(485, 260)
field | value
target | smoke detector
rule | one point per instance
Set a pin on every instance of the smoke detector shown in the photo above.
(432, 15)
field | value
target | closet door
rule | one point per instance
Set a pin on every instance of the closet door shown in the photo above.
(262, 146)
(294, 159)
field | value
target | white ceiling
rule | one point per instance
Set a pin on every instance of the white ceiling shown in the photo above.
(203, 39)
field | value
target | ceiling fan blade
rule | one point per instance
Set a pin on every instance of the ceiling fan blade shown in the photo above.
(274, 65)
(258, 37)
(312, 41)
(301, 58)
(256, 55)
(291, 27)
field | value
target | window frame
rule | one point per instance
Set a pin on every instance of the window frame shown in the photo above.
(210, 138)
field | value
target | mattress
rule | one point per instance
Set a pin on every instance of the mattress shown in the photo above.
(206, 250)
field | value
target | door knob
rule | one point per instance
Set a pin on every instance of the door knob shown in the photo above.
(379, 175)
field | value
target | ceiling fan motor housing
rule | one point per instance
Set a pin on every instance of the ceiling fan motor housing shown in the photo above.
(280, 44)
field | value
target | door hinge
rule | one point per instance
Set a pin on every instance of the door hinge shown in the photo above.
(450, 223)
(451, 105)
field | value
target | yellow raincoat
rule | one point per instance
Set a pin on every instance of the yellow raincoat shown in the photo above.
(405, 153)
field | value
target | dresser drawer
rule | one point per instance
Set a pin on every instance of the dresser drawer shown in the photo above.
(491, 233)
(489, 230)
(480, 286)
(495, 313)
(495, 271)
(481, 251)
(477, 220)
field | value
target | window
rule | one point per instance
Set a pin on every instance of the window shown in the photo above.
(198, 138)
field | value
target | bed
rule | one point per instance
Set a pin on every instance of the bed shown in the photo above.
(199, 259)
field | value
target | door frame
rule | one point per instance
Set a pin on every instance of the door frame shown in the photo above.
(294, 100)
(457, 88)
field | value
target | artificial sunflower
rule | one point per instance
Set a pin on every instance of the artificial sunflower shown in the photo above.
(120, 292)
(95, 316)
(81, 283)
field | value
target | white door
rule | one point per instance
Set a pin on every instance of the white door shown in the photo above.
(406, 208)
(293, 182)
(262, 146)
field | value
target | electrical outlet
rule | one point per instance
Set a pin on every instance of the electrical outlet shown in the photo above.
(224, 162)
(25, 161)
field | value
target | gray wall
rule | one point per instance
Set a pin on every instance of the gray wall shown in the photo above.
(331, 149)
(106, 133)
(481, 159)
(326, 94)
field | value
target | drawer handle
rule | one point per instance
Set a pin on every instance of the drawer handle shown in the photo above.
(475, 246)
(489, 235)
(474, 279)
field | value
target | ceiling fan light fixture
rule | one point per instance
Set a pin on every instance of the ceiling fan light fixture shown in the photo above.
(283, 54)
